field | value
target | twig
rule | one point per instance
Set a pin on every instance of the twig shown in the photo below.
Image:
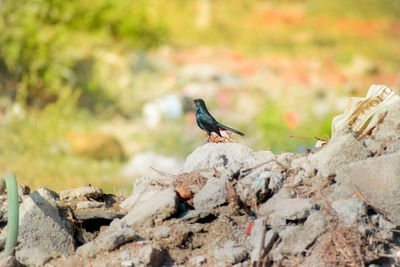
(261, 244)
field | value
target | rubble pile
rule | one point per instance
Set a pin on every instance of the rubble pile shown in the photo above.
(335, 205)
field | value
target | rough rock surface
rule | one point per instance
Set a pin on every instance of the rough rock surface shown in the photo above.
(341, 150)
(159, 207)
(331, 206)
(377, 179)
(45, 232)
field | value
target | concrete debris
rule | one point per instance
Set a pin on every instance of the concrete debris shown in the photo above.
(148, 211)
(230, 253)
(81, 193)
(377, 180)
(211, 195)
(44, 229)
(113, 237)
(332, 205)
(349, 209)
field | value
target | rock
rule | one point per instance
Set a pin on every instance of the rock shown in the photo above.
(89, 205)
(296, 239)
(90, 214)
(151, 255)
(258, 157)
(82, 193)
(162, 232)
(197, 261)
(212, 195)
(258, 186)
(142, 163)
(341, 150)
(145, 188)
(45, 232)
(279, 211)
(193, 216)
(10, 261)
(387, 134)
(255, 240)
(96, 145)
(377, 179)
(385, 229)
(230, 253)
(349, 209)
(306, 170)
(210, 155)
(116, 235)
(161, 206)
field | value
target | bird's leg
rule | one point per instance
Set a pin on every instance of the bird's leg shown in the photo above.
(208, 137)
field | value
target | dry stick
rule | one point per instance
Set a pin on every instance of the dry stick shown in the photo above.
(261, 244)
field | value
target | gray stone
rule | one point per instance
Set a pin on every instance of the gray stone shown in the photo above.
(45, 232)
(89, 204)
(161, 206)
(388, 132)
(296, 239)
(304, 166)
(84, 193)
(281, 210)
(198, 261)
(349, 209)
(211, 155)
(341, 150)
(258, 157)
(162, 232)
(151, 255)
(212, 195)
(385, 229)
(230, 253)
(256, 239)
(10, 261)
(193, 216)
(114, 236)
(377, 179)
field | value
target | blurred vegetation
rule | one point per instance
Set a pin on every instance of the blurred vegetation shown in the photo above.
(57, 73)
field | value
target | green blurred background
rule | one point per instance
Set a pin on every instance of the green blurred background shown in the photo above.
(87, 85)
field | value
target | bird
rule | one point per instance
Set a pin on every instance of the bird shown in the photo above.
(206, 121)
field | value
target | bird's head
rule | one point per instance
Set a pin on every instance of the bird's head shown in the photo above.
(199, 102)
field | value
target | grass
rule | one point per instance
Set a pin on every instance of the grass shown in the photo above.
(35, 148)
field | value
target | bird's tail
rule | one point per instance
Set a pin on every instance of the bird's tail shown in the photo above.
(230, 129)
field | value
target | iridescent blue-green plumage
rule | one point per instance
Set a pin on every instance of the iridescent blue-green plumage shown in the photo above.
(207, 122)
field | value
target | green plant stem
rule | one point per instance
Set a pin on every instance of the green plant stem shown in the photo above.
(10, 181)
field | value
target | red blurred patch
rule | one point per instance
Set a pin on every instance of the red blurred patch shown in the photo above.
(249, 228)
(292, 120)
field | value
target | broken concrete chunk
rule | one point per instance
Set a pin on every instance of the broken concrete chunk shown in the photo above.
(377, 179)
(258, 157)
(212, 195)
(197, 261)
(89, 204)
(116, 235)
(151, 255)
(298, 238)
(161, 206)
(349, 209)
(83, 193)
(45, 232)
(211, 155)
(340, 151)
(230, 253)
(292, 209)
